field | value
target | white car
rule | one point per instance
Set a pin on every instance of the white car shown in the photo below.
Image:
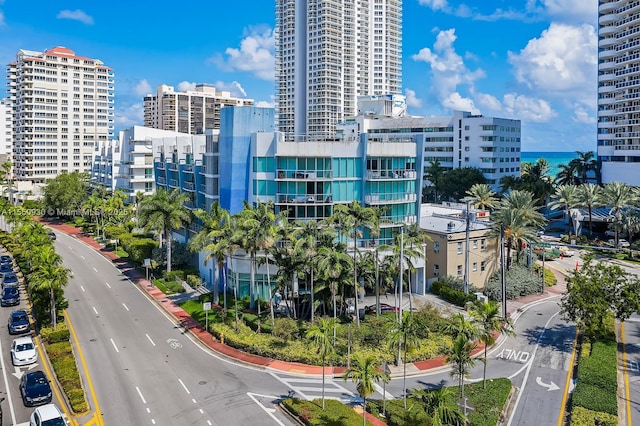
(23, 351)
(623, 243)
(47, 415)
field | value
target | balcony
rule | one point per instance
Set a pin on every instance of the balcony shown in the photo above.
(173, 183)
(305, 199)
(304, 175)
(173, 166)
(390, 198)
(391, 174)
(189, 186)
(162, 181)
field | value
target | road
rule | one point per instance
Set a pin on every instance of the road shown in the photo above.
(143, 368)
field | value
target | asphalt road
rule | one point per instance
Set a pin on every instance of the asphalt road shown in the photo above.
(631, 365)
(143, 368)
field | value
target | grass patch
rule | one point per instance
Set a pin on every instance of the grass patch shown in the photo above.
(597, 379)
(120, 253)
(488, 404)
(334, 414)
(168, 287)
(64, 364)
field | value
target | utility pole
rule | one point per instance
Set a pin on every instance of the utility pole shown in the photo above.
(467, 200)
(503, 278)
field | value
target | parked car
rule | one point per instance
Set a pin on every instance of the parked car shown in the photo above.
(5, 258)
(6, 267)
(51, 235)
(9, 278)
(10, 296)
(623, 244)
(47, 415)
(384, 308)
(18, 322)
(23, 351)
(35, 389)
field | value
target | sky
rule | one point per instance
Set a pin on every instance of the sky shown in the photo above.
(532, 60)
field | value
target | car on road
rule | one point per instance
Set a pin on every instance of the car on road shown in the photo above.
(384, 308)
(23, 351)
(9, 278)
(5, 258)
(51, 235)
(47, 415)
(19, 322)
(10, 296)
(621, 243)
(6, 267)
(35, 389)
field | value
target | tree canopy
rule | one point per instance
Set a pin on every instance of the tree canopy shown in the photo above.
(67, 192)
(457, 182)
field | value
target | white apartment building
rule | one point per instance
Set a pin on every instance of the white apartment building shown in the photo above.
(127, 163)
(62, 105)
(188, 112)
(619, 90)
(5, 129)
(329, 52)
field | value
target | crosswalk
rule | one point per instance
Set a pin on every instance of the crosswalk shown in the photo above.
(311, 388)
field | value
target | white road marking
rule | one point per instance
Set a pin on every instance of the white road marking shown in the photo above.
(193, 400)
(95, 269)
(82, 288)
(107, 284)
(70, 248)
(95, 310)
(201, 411)
(83, 258)
(114, 345)
(8, 389)
(144, 401)
(153, 422)
(148, 337)
(148, 410)
(266, 410)
(209, 422)
(382, 391)
(184, 386)
(125, 306)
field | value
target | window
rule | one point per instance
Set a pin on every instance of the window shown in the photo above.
(460, 248)
(474, 267)
(436, 247)
(483, 244)
(483, 266)
(436, 270)
(459, 270)
(475, 244)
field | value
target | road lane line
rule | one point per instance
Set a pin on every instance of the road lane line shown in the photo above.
(210, 424)
(568, 382)
(95, 310)
(114, 345)
(194, 400)
(526, 374)
(184, 386)
(153, 422)
(125, 306)
(253, 397)
(108, 285)
(149, 337)
(201, 411)
(82, 257)
(82, 288)
(96, 406)
(144, 401)
(95, 269)
(626, 374)
(8, 391)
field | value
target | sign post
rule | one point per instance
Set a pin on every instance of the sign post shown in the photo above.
(206, 307)
(147, 265)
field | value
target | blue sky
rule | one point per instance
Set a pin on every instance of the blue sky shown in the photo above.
(534, 60)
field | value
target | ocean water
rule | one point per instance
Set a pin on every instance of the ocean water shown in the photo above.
(553, 158)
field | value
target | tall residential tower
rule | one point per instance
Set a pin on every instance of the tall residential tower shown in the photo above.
(329, 52)
(62, 105)
(619, 90)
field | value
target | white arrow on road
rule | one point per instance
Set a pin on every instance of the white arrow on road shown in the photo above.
(550, 387)
(19, 373)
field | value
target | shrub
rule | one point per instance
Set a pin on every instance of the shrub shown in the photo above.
(311, 413)
(285, 329)
(194, 281)
(520, 282)
(59, 336)
(113, 232)
(174, 275)
(597, 379)
(583, 417)
(456, 297)
(180, 254)
(138, 248)
(64, 364)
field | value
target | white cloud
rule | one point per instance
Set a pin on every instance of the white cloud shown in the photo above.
(265, 104)
(435, 4)
(141, 88)
(255, 55)
(581, 115)
(561, 63)
(460, 103)
(528, 109)
(235, 88)
(75, 15)
(128, 115)
(448, 70)
(489, 102)
(2, 20)
(566, 10)
(412, 99)
(186, 86)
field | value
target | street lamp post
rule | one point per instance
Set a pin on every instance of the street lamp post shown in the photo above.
(468, 201)
(503, 278)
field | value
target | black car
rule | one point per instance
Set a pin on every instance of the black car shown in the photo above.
(51, 235)
(9, 278)
(35, 389)
(19, 322)
(10, 296)
(6, 267)
(5, 258)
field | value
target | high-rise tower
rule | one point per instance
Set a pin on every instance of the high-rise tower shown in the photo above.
(62, 104)
(329, 52)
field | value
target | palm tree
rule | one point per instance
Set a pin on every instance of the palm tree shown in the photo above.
(565, 197)
(485, 197)
(440, 405)
(96, 206)
(434, 173)
(459, 355)
(211, 237)
(589, 196)
(165, 211)
(320, 333)
(51, 277)
(567, 174)
(585, 163)
(618, 195)
(406, 338)
(459, 325)
(488, 321)
(256, 231)
(628, 221)
(535, 178)
(335, 264)
(365, 372)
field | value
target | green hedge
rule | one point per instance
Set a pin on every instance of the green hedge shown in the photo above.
(113, 232)
(597, 379)
(450, 295)
(64, 364)
(335, 413)
(138, 248)
(583, 417)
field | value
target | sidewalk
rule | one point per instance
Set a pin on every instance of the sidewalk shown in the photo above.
(196, 329)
